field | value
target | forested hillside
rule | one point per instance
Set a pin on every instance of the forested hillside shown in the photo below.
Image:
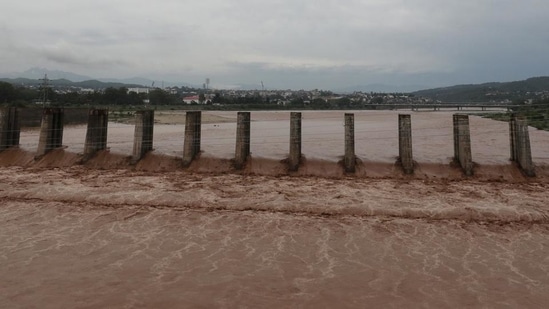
(532, 88)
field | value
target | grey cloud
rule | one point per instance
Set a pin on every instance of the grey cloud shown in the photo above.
(301, 43)
(63, 56)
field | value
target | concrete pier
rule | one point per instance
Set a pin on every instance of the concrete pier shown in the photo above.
(198, 133)
(520, 145)
(456, 133)
(513, 138)
(10, 129)
(462, 143)
(96, 134)
(295, 142)
(405, 143)
(51, 130)
(243, 130)
(350, 156)
(143, 134)
(193, 127)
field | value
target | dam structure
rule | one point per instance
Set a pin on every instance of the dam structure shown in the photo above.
(155, 209)
(347, 161)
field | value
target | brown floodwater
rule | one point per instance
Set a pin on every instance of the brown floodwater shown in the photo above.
(376, 134)
(107, 234)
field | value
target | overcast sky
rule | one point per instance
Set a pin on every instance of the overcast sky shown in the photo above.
(324, 44)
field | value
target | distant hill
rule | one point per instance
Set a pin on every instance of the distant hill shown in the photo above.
(525, 89)
(93, 84)
(38, 73)
(382, 88)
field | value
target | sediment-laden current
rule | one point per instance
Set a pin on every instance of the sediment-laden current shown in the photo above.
(108, 234)
(83, 238)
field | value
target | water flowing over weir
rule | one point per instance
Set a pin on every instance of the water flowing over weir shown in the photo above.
(330, 144)
(88, 225)
(362, 145)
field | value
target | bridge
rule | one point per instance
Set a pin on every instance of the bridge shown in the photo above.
(438, 106)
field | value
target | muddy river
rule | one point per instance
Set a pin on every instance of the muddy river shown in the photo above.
(106, 234)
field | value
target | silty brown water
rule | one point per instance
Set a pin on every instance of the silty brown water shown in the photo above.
(87, 238)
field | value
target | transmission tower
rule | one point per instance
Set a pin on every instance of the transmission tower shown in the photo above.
(44, 87)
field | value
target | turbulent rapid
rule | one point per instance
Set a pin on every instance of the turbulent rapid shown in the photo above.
(107, 233)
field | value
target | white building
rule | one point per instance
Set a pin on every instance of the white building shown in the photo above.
(138, 90)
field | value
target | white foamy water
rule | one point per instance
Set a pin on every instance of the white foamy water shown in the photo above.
(84, 238)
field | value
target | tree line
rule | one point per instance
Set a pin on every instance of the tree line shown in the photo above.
(536, 113)
(24, 96)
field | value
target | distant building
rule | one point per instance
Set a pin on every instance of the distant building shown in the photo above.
(86, 90)
(191, 99)
(138, 90)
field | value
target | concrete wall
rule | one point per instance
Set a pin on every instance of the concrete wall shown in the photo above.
(193, 128)
(295, 142)
(96, 134)
(51, 130)
(520, 145)
(10, 129)
(143, 134)
(243, 131)
(350, 156)
(405, 143)
(462, 143)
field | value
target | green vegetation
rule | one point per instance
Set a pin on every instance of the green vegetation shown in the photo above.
(531, 88)
(111, 96)
(91, 84)
(7, 92)
(537, 114)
